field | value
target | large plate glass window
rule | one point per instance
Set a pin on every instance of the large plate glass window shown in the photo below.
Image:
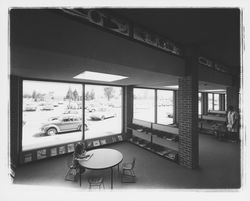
(144, 104)
(103, 110)
(225, 108)
(216, 102)
(199, 98)
(210, 101)
(52, 114)
(165, 107)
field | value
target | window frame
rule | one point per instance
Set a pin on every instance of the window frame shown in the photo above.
(174, 106)
(155, 103)
(20, 109)
(213, 101)
(122, 107)
(200, 103)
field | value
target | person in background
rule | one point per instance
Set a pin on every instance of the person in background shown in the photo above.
(232, 123)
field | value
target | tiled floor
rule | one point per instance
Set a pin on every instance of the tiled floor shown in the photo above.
(219, 169)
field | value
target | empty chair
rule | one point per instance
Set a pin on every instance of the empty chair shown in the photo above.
(96, 181)
(128, 174)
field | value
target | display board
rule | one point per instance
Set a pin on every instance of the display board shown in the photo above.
(125, 28)
(39, 154)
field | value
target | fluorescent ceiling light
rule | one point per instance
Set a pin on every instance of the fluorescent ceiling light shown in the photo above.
(89, 75)
(214, 90)
(172, 86)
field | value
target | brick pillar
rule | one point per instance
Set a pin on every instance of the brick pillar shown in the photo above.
(188, 114)
(188, 123)
(233, 97)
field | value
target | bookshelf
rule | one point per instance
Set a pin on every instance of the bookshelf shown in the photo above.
(159, 139)
(213, 123)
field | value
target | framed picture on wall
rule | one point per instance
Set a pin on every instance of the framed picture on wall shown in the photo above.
(89, 144)
(27, 157)
(103, 141)
(53, 151)
(120, 138)
(96, 143)
(71, 147)
(40, 154)
(62, 150)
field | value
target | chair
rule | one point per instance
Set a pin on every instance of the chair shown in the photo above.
(96, 181)
(71, 174)
(128, 174)
(73, 169)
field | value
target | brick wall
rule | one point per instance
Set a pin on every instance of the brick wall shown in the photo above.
(188, 122)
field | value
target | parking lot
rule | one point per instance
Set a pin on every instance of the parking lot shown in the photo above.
(34, 120)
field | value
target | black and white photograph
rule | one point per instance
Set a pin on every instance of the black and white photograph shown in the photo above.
(117, 99)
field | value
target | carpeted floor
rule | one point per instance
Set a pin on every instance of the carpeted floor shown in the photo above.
(220, 168)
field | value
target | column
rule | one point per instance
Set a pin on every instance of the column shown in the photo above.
(188, 114)
(222, 102)
(15, 119)
(128, 105)
(205, 103)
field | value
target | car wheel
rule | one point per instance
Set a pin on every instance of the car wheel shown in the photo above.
(102, 117)
(51, 131)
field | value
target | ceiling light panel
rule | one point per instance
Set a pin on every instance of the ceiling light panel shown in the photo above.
(172, 87)
(95, 76)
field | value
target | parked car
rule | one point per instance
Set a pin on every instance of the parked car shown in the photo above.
(91, 108)
(70, 111)
(79, 104)
(102, 113)
(55, 104)
(48, 107)
(42, 103)
(73, 106)
(30, 107)
(65, 123)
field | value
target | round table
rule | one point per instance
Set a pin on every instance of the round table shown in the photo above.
(102, 159)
